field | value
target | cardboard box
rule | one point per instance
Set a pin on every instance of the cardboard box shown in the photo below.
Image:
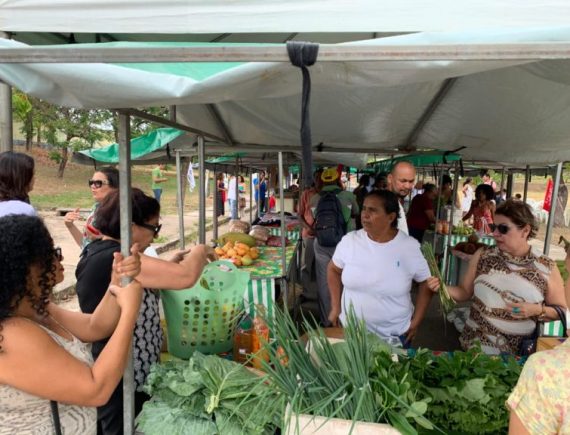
(546, 343)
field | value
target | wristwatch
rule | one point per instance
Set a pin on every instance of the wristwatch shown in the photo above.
(542, 315)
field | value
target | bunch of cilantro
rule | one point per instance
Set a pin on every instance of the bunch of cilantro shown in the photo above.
(208, 395)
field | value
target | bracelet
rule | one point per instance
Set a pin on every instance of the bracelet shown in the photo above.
(542, 315)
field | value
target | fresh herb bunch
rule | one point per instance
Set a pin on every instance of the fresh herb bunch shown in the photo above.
(334, 380)
(447, 302)
(467, 391)
(208, 395)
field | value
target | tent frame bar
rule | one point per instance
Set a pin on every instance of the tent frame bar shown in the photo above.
(214, 112)
(522, 51)
(168, 123)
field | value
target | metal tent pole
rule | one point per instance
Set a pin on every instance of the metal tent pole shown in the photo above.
(179, 199)
(215, 206)
(6, 129)
(236, 174)
(526, 177)
(250, 196)
(446, 257)
(552, 212)
(440, 183)
(126, 241)
(202, 198)
(284, 288)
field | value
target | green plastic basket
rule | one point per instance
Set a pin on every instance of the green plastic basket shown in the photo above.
(203, 318)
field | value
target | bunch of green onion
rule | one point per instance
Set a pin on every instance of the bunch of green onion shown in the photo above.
(447, 302)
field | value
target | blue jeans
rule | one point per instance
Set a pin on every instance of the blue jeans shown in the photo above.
(233, 208)
(157, 194)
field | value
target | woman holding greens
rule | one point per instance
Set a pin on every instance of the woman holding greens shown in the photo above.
(511, 285)
(372, 269)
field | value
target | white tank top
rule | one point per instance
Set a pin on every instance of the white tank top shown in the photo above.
(22, 413)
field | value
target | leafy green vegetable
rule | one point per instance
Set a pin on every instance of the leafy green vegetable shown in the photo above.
(207, 395)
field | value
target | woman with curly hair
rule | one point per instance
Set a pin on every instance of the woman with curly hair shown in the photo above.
(16, 182)
(93, 275)
(43, 355)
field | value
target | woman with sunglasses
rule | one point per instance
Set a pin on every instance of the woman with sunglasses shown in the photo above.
(104, 181)
(43, 352)
(93, 275)
(16, 182)
(511, 285)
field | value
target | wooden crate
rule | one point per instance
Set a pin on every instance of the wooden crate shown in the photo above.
(547, 343)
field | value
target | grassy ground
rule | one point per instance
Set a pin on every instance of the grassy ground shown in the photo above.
(51, 192)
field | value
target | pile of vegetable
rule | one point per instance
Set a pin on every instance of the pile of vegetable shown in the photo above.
(208, 395)
(447, 302)
(462, 230)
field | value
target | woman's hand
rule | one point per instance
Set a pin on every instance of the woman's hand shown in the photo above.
(71, 216)
(333, 316)
(179, 255)
(209, 252)
(126, 267)
(129, 297)
(433, 284)
(524, 310)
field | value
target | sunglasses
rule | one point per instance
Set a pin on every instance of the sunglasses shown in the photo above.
(501, 228)
(97, 183)
(58, 253)
(154, 229)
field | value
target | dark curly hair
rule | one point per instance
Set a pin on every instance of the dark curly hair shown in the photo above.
(108, 214)
(486, 190)
(24, 241)
(16, 173)
(389, 201)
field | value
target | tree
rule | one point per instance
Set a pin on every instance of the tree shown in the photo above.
(140, 126)
(22, 109)
(73, 129)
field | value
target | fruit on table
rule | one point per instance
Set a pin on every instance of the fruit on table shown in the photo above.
(238, 253)
(233, 238)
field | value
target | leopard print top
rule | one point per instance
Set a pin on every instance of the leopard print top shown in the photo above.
(501, 279)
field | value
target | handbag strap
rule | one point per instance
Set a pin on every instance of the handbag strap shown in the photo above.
(562, 316)
(55, 417)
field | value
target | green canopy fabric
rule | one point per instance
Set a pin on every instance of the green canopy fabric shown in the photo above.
(418, 160)
(140, 146)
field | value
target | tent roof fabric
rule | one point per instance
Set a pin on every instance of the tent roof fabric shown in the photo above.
(275, 16)
(509, 111)
(418, 160)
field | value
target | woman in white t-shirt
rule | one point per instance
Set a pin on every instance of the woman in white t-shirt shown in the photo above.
(373, 269)
(16, 182)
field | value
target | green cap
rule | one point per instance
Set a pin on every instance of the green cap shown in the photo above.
(245, 323)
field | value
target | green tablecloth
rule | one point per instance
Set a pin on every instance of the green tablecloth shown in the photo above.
(264, 272)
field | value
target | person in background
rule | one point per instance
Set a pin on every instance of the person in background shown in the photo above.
(422, 214)
(241, 195)
(372, 269)
(104, 181)
(44, 355)
(233, 197)
(157, 179)
(307, 220)
(482, 209)
(324, 251)
(540, 402)
(262, 193)
(401, 181)
(501, 197)
(418, 189)
(220, 195)
(381, 181)
(449, 201)
(16, 182)
(518, 197)
(93, 275)
(467, 191)
(360, 192)
(512, 285)
(488, 180)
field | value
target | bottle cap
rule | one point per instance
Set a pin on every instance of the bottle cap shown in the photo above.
(246, 323)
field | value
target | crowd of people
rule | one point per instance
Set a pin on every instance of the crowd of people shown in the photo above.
(361, 247)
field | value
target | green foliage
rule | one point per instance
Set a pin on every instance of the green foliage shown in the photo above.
(207, 395)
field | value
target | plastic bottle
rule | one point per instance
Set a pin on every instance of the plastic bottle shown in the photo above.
(260, 338)
(243, 340)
